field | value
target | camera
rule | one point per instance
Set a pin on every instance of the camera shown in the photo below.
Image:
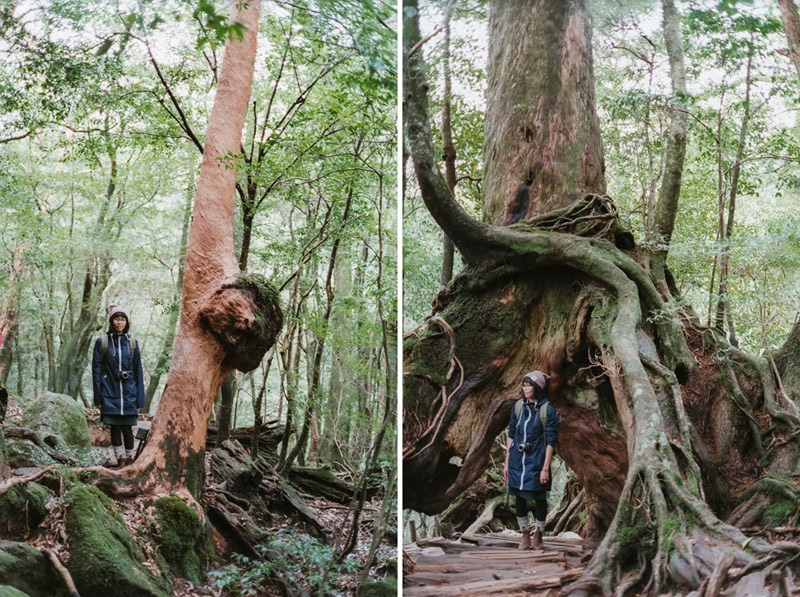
(526, 447)
(124, 375)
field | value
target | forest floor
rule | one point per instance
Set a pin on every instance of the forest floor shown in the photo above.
(492, 564)
(304, 555)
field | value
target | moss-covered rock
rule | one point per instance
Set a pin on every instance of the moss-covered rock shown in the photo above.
(182, 539)
(27, 569)
(60, 421)
(104, 558)
(378, 588)
(23, 453)
(6, 591)
(22, 508)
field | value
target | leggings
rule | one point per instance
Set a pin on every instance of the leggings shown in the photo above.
(127, 433)
(540, 512)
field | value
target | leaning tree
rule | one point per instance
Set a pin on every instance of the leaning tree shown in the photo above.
(664, 423)
(228, 320)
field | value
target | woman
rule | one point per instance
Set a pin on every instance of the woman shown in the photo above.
(118, 383)
(530, 450)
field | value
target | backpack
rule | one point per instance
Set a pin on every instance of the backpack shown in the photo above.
(542, 417)
(104, 344)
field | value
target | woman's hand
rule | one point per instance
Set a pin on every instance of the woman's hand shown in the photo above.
(544, 476)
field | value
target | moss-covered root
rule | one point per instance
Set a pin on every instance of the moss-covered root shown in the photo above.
(182, 538)
(665, 539)
(104, 558)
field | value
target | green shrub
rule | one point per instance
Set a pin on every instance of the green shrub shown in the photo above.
(291, 556)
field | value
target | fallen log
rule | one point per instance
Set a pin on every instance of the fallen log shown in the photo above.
(323, 483)
(268, 440)
(275, 486)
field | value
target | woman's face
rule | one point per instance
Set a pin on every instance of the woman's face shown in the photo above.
(527, 390)
(119, 322)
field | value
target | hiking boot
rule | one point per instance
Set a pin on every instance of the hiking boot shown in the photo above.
(123, 462)
(526, 540)
(537, 542)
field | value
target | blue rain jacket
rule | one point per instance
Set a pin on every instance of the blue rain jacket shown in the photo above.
(524, 468)
(113, 395)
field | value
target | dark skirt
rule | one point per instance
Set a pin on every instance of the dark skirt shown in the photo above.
(528, 496)
(120, 419)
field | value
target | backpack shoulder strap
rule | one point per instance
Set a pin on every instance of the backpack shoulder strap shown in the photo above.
(134, 344)
(518, 408)
(543, 418)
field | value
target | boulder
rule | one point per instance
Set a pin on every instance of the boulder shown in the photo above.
(27, 569)
(60, 421)
(25, 454)
(22, 508)
(104, 558)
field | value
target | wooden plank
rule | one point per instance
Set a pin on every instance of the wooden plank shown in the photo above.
(528, 583)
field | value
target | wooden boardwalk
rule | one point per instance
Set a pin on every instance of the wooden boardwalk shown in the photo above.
(492, 565)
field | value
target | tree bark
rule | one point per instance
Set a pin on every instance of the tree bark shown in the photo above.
(542, 144)
(9, 315)
(670, 191)
(723, 300)
(448, 148)
(228, 321)
(788, 361)
(791, 25)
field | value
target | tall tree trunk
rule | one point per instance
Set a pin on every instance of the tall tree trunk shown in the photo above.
(670, 191)
(723, 299)
(228, 320)
(550, 152)
(448, 148)
(9, 315)
(319, 344)
(77, 340)
(552, 296)
(788, 360)
(791, 25)
(172, 322)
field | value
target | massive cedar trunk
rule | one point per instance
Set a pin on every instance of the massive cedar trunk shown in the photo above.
(542, 146)
(652, 438)
(228, 320)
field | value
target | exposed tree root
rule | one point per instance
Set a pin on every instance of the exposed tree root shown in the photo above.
(4, 487)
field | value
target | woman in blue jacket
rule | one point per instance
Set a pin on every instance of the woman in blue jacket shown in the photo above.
(530, 450)
(118, 383)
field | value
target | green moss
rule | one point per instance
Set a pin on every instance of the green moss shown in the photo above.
(28, 570)
(671, 526)
(104, 558)
(378, 588)
(634, 540)
(779, 512)
(23, 453)
(195, 473)
(6, 591)
(60, 421)
(182, 538)
(22, 508)
(269, 317)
